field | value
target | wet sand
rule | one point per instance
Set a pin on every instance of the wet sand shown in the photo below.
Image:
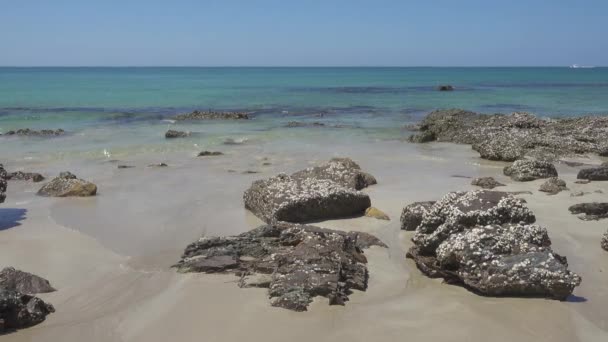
(109, 256)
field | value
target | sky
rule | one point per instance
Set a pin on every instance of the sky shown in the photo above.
(303, 33)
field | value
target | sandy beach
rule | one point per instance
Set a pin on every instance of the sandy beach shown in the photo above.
(109, 256)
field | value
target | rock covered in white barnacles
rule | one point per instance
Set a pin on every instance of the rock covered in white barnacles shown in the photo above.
(525, 170)
(343, 171)
(412, 214)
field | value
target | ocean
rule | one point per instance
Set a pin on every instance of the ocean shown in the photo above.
(124, 110)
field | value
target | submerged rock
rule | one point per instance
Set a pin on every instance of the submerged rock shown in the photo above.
(412, 214)
(485, 241)
(300, 199)
(34, 133)
(24, 282)
(295, 262)
(210, 153)
(172, 134)
(590, 211)
(553, 186)
(343, 171)
(376, 213)
(528, 170)
(68, 185)
(298, 124)
(445, 87)
(26, 176)
(486, 182)
(211, 115)
(3, 178)
(18, 310)
(594, 173)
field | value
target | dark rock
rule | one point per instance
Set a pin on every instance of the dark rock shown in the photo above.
(343, 171)
(26, 176)
(250, 172)
(211, 115)
(590, 211)
(553, 186)
(412, 214)
(210, 153)
(594, 173)
(445, 87)
(125, 166)
(66, 185)
(484, 240)
(605, 241)
(34, 133)
(300, 199)
(486, 182)
(12, 279)
(3, 178)
(18, 310)
(300, 262)
(528, 170)
(172, 134)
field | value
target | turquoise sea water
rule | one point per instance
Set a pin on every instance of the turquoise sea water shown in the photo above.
(102, 102)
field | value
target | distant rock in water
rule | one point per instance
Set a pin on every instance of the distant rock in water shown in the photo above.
(18, 310)
(26, 176)
(295, 262)
(3, 178)
(24, 282)
(553, 186)
(34, 133)
(212, 115)
(514, 136)
(210, 153)
(594, 174)
(528, 170)
(296, 124)
(68, 185)
(486, 182)
(486, 242)
(171, 134)
(445, 87)
(590, 211)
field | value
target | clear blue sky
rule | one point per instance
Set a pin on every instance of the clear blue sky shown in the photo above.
(303, 32)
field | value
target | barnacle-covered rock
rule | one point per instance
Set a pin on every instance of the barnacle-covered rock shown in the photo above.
(590, 211)
(24, 282)
(67, 184)
(553, 186)
(526, 170)
(26, 132)
(412, 214)
(486, 182)
(18, 310)
(172, 134)
(605, 241)
(297, 199)
(485, 241)
(594, 173)
(3, 177)
(212, 115)
(26, 176)
(500, 146)
(300, 261)
(343, 171)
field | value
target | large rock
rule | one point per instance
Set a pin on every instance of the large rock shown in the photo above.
(528, 170)
(24, 282)
(3, 178)
(486, 182)
(34, 133)
(594, 173)
(26, 176)
(18, 310)
(172, 134)
(299, 199)
(343, 171)
(605, 241)
(67, 185)
(553, 186)
(511, 137)
(412, 214)
(485, 241)
(590, 211)
(301, 262)
(211, 115)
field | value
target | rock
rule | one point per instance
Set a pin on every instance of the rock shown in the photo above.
(158, 165)
(376, 213)
(210, 153)
(528, 170)
(578, 193)
(3, 178)
(211, 115)
(582, 181)
(172, 134)
(590, 211)
(26, 176)
(34, 133)
(66, 185)
(518, 135)
(445, 87)
(594, 174)
(412, 214)
(298, 124)
(18, 310)
(295, 262)
(300, 199)
(15, 280)
(486, 182)
(605, 241)
(343, 171)
(553, 186)
(125, 166)
(422, 137)
(486, 242)
(250, 172)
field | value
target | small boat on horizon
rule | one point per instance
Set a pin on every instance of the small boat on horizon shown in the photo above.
(576, 66)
